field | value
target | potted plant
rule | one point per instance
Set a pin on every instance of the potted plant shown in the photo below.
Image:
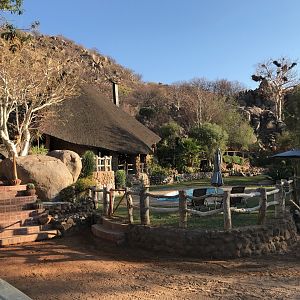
(30, 189)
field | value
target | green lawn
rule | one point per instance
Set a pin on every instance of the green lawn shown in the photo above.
(210, 222)
(229, 181)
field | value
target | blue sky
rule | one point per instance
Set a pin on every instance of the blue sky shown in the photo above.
(173, 40)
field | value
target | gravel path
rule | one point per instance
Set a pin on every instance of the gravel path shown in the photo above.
(82, 267)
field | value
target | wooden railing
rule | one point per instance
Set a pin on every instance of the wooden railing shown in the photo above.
(103, 163)
(283, 192)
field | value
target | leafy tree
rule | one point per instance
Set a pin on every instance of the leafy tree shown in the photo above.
(170, 131)
(276, 78)
(240, 134)
(14, 6)
(32, 79)
(187, 154)
(210, 136)
(292, 117)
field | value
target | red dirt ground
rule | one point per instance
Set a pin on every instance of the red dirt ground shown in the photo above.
(82, 267)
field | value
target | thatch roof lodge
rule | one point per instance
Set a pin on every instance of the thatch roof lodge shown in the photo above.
(93, 122)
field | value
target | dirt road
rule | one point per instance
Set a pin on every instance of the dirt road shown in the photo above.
(81, 267)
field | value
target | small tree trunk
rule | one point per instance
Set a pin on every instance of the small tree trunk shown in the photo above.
(25, 143)
(9, 145)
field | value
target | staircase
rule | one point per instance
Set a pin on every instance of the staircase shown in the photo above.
(19, 219)
(111, 230)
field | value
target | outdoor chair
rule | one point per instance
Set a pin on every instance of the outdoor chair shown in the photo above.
(197, 204)
(237, 200)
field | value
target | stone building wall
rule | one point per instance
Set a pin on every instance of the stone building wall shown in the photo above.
(273, 237)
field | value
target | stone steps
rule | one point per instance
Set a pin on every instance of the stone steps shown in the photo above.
(18, 200)
(10, 232)
(108, 234)
(17, 204)
(114, 224)
(12, 218)
(11, 191)
(18, 239)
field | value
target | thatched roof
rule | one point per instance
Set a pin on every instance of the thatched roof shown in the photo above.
(93, 120)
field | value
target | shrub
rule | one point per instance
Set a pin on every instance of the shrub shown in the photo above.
(88, 164)
(120, 178)
(39, 150)
(30, 186)
(67, 194)
(82, 184)
(280, 170)
(233, 159)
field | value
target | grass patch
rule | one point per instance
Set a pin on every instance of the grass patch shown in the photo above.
(232, 180)
(209, 222)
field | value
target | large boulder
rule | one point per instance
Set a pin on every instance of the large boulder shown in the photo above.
(71, 159)
(49, 174)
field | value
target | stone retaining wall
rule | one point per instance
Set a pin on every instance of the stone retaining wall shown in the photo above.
(273, 237)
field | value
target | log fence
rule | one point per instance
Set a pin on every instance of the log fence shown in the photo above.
(282, 193)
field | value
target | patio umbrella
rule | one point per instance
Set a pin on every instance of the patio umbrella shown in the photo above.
(291, 154)
(216, 179)
(294, 153)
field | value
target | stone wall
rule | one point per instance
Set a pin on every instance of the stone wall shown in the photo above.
(273, 237)
(104, 179)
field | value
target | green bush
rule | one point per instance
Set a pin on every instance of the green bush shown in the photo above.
(233, 159)
(82, 184)
(120, 178)
(67, 194)
(280, 170)
(88, 164)
(39, 150)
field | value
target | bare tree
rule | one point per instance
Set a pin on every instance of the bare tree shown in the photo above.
(32, 79)
(276, 78)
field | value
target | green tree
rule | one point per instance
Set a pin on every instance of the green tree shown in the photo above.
(187, 154)
(210, 136)
(14, 6)
(240, 134)
(170, 131)
(292, 117)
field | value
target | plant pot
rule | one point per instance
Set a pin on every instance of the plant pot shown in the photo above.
(15, 181)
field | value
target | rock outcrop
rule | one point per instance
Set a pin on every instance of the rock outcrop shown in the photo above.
(265, 125)
(71, 159)
(49, 174)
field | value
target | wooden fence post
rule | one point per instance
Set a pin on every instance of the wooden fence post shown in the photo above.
(129, 206)
(261, 220)
(105, 201)
(227, 211)
(280, 197)
(111, 202)
(182, 209)
(144, 206)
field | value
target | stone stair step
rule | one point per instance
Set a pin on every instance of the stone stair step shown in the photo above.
(11, 218)
(18, 200)
(114, 224)
(18, 239)
(105, 233)
(11, 191)
(24, 230)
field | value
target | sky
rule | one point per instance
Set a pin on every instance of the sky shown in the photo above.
(175, 40)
